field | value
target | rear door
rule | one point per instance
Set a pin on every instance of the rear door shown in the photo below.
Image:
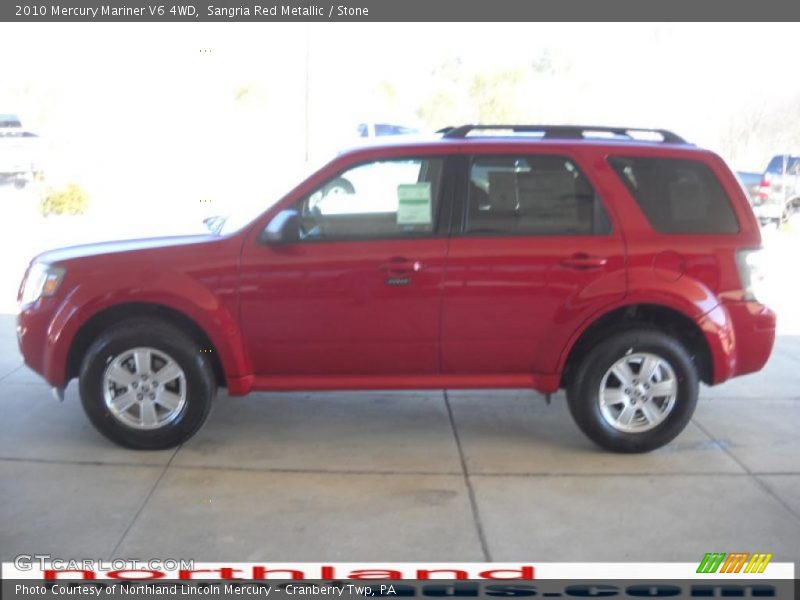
(534, 255)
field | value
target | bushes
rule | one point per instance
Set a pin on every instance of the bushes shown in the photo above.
(70, 200)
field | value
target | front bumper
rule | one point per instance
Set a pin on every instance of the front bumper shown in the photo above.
(32, 338)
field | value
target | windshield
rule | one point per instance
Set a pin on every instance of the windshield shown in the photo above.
(239, 217)
(243, 206)
(781, 162)
(9, 121)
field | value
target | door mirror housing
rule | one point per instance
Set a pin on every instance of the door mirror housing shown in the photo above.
(214, 224)
(284, 228)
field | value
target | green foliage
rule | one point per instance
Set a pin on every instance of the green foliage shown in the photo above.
(461, 94)
(70, 200)
(496, 96)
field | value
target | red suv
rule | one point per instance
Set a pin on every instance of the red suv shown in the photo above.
(619, 264)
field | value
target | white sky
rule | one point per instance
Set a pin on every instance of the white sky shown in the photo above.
(140, 107)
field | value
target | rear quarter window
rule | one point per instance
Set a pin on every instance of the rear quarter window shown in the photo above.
(677, 195)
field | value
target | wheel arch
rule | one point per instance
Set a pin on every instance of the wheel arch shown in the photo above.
(117, 313)
(651, 316)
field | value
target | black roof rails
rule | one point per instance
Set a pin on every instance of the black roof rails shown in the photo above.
(564, 131)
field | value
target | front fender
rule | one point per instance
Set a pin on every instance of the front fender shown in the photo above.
(195, 301)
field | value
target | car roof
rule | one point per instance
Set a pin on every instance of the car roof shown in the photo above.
(429, 142)
(527, 135)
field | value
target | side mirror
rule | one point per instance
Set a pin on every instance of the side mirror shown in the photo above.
(283, 228)
(214, 224)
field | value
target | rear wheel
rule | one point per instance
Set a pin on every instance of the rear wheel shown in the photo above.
(144, 384)
(634, 392)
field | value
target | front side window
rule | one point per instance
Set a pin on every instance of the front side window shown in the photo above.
(382, 199)
(677, 195)
(532, 195)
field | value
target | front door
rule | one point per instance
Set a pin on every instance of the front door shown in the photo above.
(359, 292)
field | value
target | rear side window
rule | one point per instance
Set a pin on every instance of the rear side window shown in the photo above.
(677, 195)
(532, 195)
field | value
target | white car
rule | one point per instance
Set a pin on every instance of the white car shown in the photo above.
(372, 130)
(18, 152)
(778, 193)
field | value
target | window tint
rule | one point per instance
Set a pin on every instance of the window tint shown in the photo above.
(532, 195)
(393, 198)
(10, 121)
(676, 195)
(777, 164)
(387, 129)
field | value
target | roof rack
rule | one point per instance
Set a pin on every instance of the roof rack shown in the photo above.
(566, 131)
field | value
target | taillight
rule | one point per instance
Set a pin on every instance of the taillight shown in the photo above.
(751, 272)
(763, 189)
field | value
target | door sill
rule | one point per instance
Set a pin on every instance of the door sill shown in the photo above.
(545, 383)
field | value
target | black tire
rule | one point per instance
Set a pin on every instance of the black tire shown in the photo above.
(200, 386)
(583, 392)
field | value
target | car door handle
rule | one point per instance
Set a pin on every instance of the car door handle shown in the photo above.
(400, 265)
(583, 261)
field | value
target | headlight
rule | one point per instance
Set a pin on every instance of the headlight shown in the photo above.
(751, 272)
(41, 281)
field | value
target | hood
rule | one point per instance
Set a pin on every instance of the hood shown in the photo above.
(103, 248)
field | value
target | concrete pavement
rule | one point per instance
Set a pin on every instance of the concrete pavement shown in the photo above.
(428, 476)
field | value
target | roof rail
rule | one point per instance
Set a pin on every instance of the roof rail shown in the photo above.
(565, 131)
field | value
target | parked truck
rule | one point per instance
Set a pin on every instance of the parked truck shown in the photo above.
(18, 152)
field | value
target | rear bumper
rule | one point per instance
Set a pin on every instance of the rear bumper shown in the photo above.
(754, 335)
(740, 336)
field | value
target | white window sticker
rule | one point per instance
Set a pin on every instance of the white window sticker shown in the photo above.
(414, 204)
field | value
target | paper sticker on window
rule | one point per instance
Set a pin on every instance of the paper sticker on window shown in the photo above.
(414, 204)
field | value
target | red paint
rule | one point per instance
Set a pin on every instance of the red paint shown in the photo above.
(477, 311)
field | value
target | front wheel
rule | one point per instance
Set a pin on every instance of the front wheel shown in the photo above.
(634, 392)
(145, 384)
